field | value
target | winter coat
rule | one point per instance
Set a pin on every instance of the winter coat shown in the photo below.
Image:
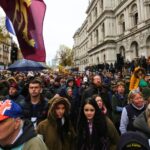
(37, 112)
(54, 134)
(134, 81)
(112, 134)
(118, 103)
(19, 99)
(140, 123)
(129, 114)
(28, 140)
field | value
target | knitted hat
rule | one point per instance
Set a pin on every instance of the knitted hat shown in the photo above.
(14, 85)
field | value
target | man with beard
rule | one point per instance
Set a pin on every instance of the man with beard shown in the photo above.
(96, 87)
(36, 106)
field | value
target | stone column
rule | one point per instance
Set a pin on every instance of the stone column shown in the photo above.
(140, 10)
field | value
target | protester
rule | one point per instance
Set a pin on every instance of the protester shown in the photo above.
(119, 100)
(69, 83)
(100, 104)
(16, 133)
(57, 131)
(74, 106)
(14, 94)
(138, 74)
(96, 87)
(4, 86)
(94, 130)
(36, 106)
(135, 107)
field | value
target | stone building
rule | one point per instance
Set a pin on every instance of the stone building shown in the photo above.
(5, 44)
(113, 27)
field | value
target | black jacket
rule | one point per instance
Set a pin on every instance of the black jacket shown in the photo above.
(38, 111)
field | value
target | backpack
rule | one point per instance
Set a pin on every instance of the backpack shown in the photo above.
(133, 141)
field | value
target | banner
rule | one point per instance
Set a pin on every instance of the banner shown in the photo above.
(9, 26)
(27, 18)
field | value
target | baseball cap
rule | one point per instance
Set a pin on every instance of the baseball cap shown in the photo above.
(133, 141)
(9, 109)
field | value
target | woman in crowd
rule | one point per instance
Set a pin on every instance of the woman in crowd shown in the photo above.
(135, 107)
(100, 103)
(57, 131)
(94, 130)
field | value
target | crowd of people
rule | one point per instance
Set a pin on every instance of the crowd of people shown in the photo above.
(84, 111)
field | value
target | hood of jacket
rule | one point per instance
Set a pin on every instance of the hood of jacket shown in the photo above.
(52, 105)
(28, 133)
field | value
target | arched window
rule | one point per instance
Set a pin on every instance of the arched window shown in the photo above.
(95, 12)
(135, 49)
(91, 40)
(103, 31)
(148, 46)
(97, 60)
(134, 15)
(102, 7)
(97, 36)
(122, 23)
(104, 56)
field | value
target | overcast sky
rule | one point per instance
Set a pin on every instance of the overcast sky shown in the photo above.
(62, 19)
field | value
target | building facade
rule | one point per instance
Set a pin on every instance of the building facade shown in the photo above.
(5, 44)
(113, 27)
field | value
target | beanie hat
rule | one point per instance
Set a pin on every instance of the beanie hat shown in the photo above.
(14, 85)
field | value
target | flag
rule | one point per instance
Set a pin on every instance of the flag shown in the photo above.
(9, 26)
(27, 18)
